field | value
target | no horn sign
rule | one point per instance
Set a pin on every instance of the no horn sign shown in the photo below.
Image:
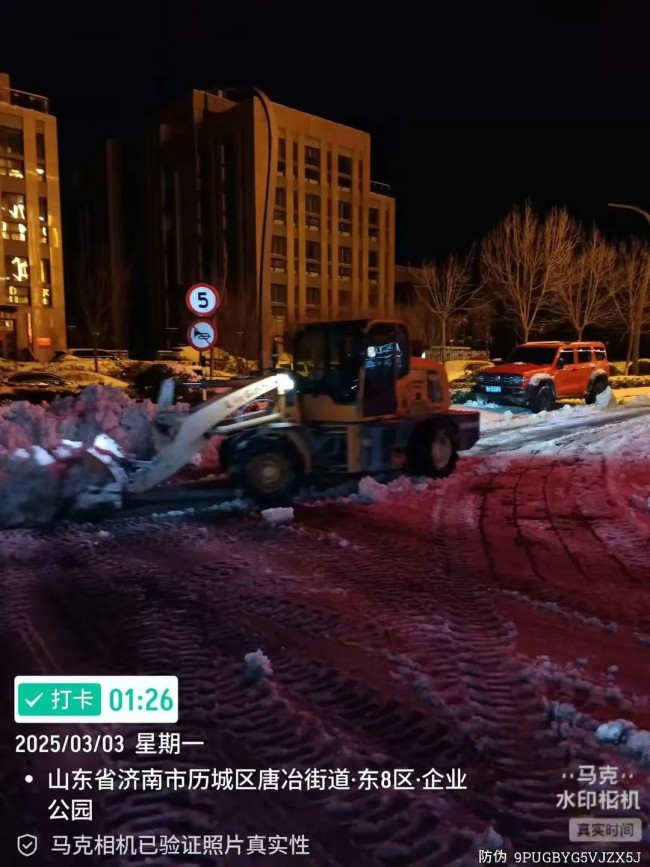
(202, 335)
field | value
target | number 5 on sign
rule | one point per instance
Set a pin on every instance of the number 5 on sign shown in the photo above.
(202, 299)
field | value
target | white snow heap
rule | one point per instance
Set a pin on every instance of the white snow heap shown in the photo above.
(372, 490)
(37, 485)
(614, 732)
(279, 516)
(606, 399)
(257, 667)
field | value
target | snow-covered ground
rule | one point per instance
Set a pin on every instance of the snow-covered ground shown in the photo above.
(496, 622)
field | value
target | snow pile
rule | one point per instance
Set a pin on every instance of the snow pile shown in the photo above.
(630, 740)
(606, 399)
(36, 486)
(97, 410)
(372, 491)
(257, 667)
(278, 516)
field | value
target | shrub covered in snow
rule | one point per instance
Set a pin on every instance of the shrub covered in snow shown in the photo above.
(629, 382)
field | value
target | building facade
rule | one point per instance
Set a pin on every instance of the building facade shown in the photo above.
(32, 303)
(275, 207)
(99, 297)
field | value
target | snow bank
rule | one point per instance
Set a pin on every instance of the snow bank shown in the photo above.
(36, 486)
(97, 410)
(51, 453)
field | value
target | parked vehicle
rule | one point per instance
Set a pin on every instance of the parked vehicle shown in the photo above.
(37, 386)
(115, 354)
(536, 375)
(464, 369)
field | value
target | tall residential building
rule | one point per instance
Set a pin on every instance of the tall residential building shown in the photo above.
(273, 204)
(32, 303)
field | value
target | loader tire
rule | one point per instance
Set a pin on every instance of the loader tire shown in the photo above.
(271, 475)
(433, 453)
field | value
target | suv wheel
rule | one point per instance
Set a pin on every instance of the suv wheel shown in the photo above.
(542, 399)
(597, 387)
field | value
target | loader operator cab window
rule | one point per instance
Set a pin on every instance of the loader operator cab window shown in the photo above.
(327, 361)
(388, 356)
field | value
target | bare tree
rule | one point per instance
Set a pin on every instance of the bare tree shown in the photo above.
(446, 290)
(630, 295)
(481, 316)
(585, 297)
(420, 322)
(96, 299)
(527, 260)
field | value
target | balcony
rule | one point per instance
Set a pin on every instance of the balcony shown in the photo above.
(22, 99)
(379, 188)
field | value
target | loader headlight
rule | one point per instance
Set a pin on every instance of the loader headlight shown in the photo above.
(285, 382)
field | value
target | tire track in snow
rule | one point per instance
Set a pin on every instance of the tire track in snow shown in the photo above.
(508, 716)
(205, 647)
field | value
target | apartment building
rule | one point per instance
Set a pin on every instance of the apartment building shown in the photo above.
(32, 303)
(275, 206)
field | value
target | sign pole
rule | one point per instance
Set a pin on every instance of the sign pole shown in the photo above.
(214, 323)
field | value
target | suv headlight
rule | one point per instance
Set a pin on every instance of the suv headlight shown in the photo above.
(480, 378)
(517, 380)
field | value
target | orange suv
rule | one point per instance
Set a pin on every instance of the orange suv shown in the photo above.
(536, 375)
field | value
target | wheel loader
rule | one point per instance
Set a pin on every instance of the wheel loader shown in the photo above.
(358, 402)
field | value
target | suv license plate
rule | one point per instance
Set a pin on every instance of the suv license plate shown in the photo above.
(493, 388)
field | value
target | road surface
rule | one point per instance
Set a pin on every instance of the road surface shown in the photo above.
(440, 628)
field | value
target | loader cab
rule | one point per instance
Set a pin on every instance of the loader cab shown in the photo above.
(349, 370)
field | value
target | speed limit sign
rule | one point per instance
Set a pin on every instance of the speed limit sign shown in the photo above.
(202, 299)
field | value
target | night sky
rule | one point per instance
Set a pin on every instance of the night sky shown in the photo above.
(470, 111)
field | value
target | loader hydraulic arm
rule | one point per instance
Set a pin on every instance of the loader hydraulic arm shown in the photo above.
(197, 424)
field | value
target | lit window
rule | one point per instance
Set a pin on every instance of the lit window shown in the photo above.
(17, 268)
(18, 294)
(13, 217)
(11, 168)
(46, 296)
(46, 274)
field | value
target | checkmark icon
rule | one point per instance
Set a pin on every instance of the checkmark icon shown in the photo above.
(30, 702)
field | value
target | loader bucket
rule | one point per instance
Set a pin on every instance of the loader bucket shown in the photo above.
(95, 481)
